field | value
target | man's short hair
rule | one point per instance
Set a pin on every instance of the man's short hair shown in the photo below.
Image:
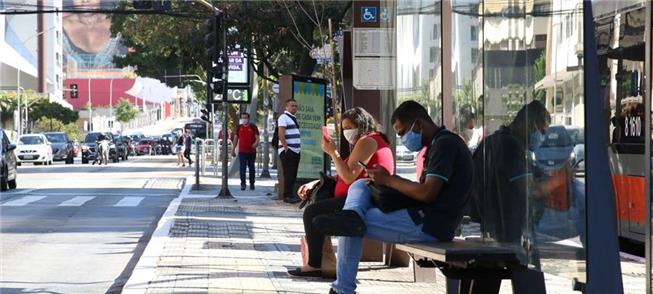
(290, 100)
(409, 111)
(245, 113)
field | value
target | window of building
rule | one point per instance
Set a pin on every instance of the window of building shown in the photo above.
(432, 54)
(474, 55)
(474, 33)
(436, 32)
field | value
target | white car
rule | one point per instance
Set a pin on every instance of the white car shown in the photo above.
(403, 154)
(34, 148)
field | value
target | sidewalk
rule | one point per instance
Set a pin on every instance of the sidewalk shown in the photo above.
(247, 244)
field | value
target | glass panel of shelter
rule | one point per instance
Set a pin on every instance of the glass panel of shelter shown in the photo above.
(419, 68)
(529, 188)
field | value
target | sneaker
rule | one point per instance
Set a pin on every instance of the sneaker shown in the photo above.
(292, 200)
(251, 187)
(343, 223)
(242, 188)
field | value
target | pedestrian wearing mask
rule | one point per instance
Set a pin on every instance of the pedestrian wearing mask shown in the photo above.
(246, 140)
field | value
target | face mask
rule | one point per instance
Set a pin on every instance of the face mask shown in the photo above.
(244, 121)
(535, 139)
(351, 135)
(412, 140)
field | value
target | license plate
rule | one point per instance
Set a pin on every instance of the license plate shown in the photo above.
(30, 157)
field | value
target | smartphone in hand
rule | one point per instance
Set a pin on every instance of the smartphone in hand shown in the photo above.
(325, 133)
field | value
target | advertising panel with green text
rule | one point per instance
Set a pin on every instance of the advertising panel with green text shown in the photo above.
(311, 98)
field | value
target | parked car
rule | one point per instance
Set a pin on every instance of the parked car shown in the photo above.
(577, 135)
(121, 147)
(90, 148)
(62, 147)
(145, 147)
(555, 150)
(8, 161)
(166, 142)
(34, 148)
(403, 154)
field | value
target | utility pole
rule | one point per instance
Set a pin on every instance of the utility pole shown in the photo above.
(224, 192)
(265, 173)
(334, 96)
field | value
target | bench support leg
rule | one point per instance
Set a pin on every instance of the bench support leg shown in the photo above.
(529, 281)
(475, 286)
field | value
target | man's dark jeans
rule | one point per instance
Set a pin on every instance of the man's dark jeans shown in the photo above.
(290, 162)
(247, 160)
(187, 155)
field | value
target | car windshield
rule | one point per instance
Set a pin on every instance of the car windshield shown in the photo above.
(56, 138)
(92, 137)
(577, 136)
(556, 137)
(31, 140)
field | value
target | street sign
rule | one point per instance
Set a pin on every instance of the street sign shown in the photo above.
(275, 88)
(368, 14)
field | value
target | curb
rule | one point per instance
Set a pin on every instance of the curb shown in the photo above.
(144, 271)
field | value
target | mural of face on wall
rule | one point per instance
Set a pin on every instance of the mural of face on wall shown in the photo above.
(87, 40)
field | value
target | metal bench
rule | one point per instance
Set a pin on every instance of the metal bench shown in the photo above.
(476, 266)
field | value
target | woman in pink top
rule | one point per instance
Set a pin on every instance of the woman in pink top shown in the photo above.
(367, 145)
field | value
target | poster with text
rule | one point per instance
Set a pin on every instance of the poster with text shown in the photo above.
(310, 95)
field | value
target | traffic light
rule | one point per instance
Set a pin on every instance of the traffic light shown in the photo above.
(74, 91)
(215, 51)
(206, 115)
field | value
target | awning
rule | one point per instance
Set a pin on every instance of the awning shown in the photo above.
(559, 77)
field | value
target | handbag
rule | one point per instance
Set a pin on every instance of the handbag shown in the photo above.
(325, 189)
(387, 199)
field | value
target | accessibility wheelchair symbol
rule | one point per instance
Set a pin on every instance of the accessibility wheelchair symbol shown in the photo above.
(368, 14)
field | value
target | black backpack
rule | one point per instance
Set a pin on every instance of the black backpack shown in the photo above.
(275, 136)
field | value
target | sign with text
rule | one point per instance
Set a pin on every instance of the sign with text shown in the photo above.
(311, 99)
(238, 68)
(235, 95)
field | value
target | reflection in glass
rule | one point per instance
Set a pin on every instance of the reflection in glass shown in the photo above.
(529, 182)
(419, 54)
(467, 71)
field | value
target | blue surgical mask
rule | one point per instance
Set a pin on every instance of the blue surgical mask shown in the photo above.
(412, 140)
(536, 138)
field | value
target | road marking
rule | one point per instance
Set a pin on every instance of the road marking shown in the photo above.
(23, 201)
(129, 201)
(77, 201)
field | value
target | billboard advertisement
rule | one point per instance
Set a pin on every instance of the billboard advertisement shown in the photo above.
(311, 97)
(87, 41)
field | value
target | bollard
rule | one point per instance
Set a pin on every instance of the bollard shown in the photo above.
(198, 142)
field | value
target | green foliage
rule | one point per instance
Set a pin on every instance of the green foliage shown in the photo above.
(125, 111)
(55, 110)
(73, 131)
(48, 124)
(276, 33)
(540, 66)
(9, 103)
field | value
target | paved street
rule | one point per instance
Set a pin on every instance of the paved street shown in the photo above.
(81, 228)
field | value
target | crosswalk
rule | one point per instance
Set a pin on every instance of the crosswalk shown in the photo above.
(76, 201)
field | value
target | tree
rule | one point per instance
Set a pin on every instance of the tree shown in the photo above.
(55, 110)
(73, 131)
(279, 34)
(9, 103)
(48, 124)
(125, 111)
